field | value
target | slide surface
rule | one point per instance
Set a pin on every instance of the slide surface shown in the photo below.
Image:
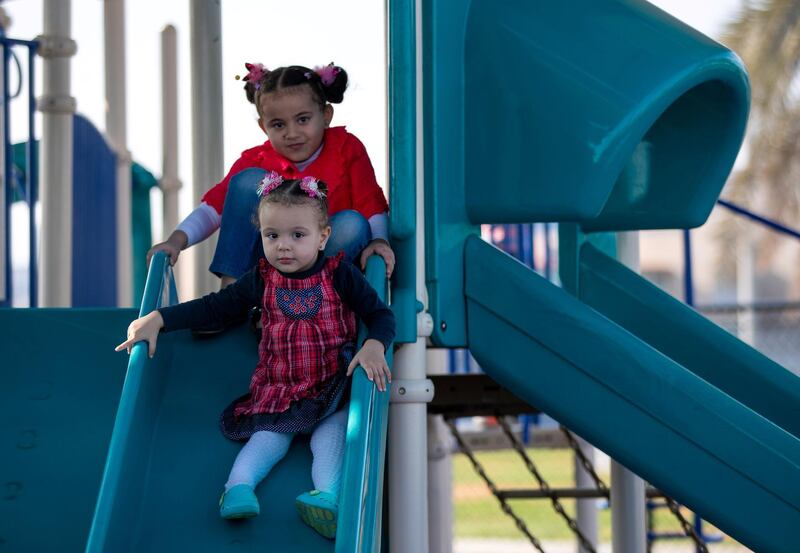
(60, 382)
(726, 458)
(176, 460)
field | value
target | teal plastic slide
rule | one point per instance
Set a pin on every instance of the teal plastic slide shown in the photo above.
(695, 412)
(60, 382)
(90, 463)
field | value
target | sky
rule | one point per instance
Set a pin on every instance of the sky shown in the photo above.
(305, 32)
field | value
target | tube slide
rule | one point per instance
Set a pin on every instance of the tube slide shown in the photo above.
(730, 459)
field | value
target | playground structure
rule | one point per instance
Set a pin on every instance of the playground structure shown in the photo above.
(603, 137)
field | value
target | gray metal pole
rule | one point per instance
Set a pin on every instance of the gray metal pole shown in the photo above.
(408, 451)
(3, 237)
(628, 530)
(116, 131)
(207, 132)
(586, 509)
(170, 182)
(57, 106)
(440, 470)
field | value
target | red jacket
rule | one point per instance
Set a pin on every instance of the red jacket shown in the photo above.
(343, 164)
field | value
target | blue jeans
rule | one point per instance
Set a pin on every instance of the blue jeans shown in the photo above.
(239, 244)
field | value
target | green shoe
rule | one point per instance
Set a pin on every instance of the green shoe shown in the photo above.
(319, 510)
(239, 502)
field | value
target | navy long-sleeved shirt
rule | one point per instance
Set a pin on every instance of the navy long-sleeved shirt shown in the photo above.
(228, 305)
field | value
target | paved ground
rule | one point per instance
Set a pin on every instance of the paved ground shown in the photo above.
(518, 546)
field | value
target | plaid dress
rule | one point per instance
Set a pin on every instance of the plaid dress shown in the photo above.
(308, 340)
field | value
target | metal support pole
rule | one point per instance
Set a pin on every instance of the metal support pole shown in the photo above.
(745, 284)
(688, 277)
(586, 509)
(6, 288)
(32, 174)
(408, 456)
(57, 106)
(440, 469)
(170, 182)
(207, 134)
(628, 529)
(116, 130)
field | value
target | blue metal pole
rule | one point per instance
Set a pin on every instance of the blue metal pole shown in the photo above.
(763, 220)
(688, 283)
(548, 262)
(527, 249)
(7, 171)
(32, 175)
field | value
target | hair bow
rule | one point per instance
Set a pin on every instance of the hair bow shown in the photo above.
(270, 182)
(255, 72)
(327, 73)
(311, 187)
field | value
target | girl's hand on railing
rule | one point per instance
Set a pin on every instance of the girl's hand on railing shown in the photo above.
(144, 328)
(172, 246)
(382, 248)
(372, 359)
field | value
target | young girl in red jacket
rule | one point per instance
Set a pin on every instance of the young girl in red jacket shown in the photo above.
(294, 106)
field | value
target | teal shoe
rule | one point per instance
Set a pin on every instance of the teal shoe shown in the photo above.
(319, 510)
(239, 502)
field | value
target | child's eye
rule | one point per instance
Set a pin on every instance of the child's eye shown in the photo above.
(304, 119)
(271, 236)
(299, 235)
(277, 125)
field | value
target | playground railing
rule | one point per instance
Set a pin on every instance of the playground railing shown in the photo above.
(688, 279)
(135, 399)
(359, 525)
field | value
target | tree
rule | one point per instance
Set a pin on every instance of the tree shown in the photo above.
(766, 35)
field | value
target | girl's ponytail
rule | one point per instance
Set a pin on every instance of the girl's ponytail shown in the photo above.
(334, 82)
(253, 81)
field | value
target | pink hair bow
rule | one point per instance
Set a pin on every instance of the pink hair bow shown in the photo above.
(270, 182)
(327, 74)
(311, 187)
(255, 72)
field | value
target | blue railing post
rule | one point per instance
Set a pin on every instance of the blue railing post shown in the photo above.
(31, 181)
(688, 278)
(7, 172)
(32, 178)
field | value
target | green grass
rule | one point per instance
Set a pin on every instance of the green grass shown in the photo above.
(478, 513)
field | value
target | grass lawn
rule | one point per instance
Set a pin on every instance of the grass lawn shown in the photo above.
(478, 513)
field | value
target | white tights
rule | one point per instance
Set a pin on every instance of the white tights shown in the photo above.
(264, 449)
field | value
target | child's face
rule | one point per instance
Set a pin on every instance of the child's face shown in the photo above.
(291, 236)
(295, 124)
